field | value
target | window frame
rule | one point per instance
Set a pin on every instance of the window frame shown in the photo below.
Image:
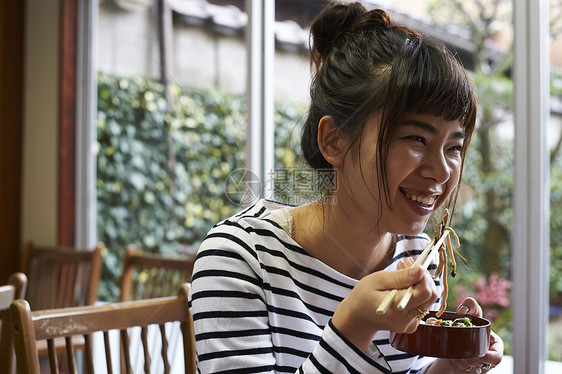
(531, 188)
(85, 207)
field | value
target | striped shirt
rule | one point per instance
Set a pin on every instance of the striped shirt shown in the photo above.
(262, 304)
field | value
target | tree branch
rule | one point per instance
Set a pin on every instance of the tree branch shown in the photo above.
(504, 64)
(556, 150)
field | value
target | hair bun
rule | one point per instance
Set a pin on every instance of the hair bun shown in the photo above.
(330, 26)
(375, 19)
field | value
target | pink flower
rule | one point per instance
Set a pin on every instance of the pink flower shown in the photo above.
(493, 291)
(490, 292)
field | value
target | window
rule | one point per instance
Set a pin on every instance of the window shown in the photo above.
(502, 217)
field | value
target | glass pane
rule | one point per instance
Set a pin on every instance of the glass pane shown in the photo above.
(555, 142)
(171, 124)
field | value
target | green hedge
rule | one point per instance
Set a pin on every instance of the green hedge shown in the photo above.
(162, 175)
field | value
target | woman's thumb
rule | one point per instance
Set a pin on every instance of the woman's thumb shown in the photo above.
(399, 279)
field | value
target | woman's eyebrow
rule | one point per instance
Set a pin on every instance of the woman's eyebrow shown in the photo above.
(432, 129)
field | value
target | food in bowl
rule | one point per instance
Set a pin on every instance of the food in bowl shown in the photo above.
(457, 322)
(444, 340)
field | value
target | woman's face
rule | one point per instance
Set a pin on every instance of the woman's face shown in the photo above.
(423, 169)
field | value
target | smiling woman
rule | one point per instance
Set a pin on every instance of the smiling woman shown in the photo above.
(284, 288)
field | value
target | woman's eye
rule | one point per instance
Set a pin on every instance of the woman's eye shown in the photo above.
(417, 138)
(457, 148)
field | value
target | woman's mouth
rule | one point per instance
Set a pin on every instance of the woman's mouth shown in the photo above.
(424, 201)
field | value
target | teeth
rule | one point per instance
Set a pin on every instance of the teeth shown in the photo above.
(422, 199)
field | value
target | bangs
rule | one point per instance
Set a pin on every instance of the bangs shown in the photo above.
(427, 78)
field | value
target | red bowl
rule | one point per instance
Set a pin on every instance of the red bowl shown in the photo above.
(446, 341)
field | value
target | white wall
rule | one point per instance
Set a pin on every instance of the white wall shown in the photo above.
(40, 135)
(127, 45)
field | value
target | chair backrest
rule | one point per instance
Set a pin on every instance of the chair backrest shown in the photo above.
(29, 327)
(149, 275)
(60, 277)
(15, 289)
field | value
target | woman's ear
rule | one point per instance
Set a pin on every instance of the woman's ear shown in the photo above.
(330, 141)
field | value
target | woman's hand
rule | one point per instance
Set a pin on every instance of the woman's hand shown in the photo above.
(476, 365)
(356, 317)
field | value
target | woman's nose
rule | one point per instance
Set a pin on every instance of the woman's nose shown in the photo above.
(435, 166)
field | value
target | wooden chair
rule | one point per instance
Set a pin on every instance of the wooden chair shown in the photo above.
(15, 289)
(61, 277)
(149, 275)
(29, 327)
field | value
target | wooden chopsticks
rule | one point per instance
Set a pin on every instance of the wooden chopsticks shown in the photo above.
(425, 259)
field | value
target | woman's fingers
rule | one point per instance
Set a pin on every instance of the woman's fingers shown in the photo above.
(495, 353)
(490, 360)
(406, 263)
(424, 290)
(470, 307)
(357, 316)
(408, 275)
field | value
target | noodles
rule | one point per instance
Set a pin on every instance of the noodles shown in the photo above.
(451, 252)
(443, 258)
(442, 265)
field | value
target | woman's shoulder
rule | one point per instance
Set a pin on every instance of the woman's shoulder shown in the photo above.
(257, 215)
(247, 228)
(251, 236)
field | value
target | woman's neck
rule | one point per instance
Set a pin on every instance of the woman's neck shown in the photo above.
(345, 244)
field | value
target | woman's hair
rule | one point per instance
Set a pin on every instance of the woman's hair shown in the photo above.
(365, 63)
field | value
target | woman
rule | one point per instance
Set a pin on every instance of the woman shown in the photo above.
(296, 289)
